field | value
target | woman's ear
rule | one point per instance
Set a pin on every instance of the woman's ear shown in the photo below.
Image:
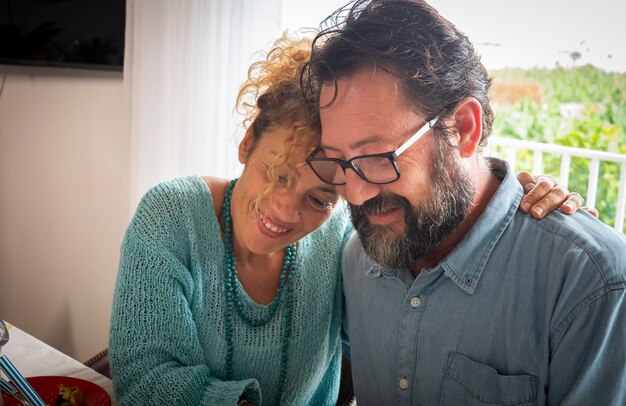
(468, 117)
(245, 146)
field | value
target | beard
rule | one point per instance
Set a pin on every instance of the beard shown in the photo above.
(425, 225)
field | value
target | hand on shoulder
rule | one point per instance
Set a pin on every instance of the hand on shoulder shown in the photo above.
(543, 195)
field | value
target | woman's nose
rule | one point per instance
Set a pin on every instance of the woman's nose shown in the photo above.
(286, 207)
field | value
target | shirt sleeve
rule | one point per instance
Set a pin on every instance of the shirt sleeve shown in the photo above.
(155, 353)
(588, 364)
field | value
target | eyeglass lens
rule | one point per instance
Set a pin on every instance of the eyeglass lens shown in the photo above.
(373, 169)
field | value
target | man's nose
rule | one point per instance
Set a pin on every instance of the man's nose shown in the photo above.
(357, 190)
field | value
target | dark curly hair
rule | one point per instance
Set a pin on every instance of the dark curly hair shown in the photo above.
(435, 62)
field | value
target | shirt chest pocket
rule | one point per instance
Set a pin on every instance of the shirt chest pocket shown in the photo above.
(467, 382)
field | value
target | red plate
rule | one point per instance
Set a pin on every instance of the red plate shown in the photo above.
(47, 387)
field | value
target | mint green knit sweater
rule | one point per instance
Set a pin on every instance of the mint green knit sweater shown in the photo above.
(167, 341)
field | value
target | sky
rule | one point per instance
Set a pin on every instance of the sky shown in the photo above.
(525, 34)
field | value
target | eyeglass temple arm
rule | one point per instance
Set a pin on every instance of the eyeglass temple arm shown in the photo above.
(416, 136)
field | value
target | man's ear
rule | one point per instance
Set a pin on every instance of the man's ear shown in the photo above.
(245, 146)
(468, 117)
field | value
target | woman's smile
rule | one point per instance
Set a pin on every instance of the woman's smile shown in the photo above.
(271, 227)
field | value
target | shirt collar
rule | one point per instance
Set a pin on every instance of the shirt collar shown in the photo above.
(466, 262)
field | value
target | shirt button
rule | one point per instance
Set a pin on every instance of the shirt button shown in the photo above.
(403, 384)
(415, 302)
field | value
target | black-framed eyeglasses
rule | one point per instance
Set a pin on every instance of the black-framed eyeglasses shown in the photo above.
(373, 168)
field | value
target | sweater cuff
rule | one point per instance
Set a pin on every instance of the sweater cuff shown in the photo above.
(206, 390)
(229, 392)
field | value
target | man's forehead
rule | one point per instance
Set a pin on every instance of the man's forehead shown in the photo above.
(362, 85)
(367, 108)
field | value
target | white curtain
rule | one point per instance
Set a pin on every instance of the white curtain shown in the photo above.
(184, 62)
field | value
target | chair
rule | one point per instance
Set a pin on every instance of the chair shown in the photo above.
(100, 364)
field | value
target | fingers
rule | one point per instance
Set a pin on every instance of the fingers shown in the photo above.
(527, 180)
(592, 210)
(549, 202)
(542, 196)
(573, 202)
(546, 179)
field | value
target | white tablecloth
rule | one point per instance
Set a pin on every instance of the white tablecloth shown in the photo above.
(33, 357)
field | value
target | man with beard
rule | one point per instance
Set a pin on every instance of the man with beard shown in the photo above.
(452, 295)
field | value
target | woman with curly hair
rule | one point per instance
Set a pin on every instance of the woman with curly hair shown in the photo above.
(229, 290)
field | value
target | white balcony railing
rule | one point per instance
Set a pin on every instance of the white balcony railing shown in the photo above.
(510, 147)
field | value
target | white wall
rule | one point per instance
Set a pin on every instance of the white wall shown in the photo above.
(64, 202)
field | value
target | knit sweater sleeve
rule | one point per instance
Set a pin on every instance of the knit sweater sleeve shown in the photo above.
(155, 352)
(347, 234)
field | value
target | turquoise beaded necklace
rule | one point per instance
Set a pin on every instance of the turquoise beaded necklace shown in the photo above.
(233, 296)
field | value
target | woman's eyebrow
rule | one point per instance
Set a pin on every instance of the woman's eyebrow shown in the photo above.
(323, 188)
(328, 190)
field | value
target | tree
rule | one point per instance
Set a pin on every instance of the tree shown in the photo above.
(575, 55)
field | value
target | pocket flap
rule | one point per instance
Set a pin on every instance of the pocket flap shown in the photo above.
(485, 384)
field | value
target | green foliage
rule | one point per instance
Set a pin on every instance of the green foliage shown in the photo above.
(596, 120)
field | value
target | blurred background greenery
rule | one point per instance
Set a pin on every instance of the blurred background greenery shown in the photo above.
(582, 107)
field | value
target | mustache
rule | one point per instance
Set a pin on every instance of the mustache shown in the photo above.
(381, 204)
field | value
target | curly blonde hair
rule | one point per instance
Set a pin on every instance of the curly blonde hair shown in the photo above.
(272, 97)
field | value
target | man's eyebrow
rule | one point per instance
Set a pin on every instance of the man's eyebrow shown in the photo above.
(359, 143)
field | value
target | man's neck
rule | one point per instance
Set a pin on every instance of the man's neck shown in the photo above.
(486, 184)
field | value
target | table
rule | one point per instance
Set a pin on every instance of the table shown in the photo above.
(33, 357)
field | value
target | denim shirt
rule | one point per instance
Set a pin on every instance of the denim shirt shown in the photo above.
(521, 312)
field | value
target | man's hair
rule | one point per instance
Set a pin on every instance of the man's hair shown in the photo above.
(435, 62)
